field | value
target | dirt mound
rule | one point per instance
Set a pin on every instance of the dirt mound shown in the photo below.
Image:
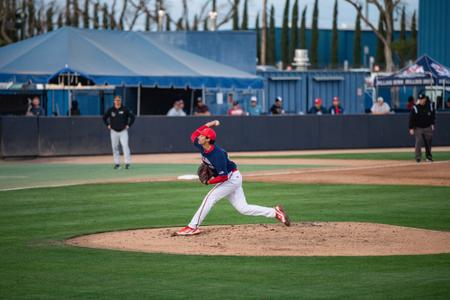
(301, 239)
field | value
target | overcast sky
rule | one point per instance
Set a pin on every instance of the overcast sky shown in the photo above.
(346, 16)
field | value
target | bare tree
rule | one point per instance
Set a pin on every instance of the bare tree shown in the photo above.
(386, 8)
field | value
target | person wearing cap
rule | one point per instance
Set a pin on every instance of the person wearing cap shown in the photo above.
(227, 183)
(336, 108)
(380, 107)
(277, 108)
(421, 125)
(317, 109)
(201, 109)
(177, 109)
(254, 109)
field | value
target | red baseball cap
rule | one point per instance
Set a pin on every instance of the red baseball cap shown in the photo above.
(318, 101)
(209, 133)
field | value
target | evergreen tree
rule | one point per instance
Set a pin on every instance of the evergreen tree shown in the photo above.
(68, 15)
(105, 17)
(195, 25)
(379, 55)
(31, 11)
(357, 42)
(180, 24)
(284, 36)
(334, 38)
(271, 38)
(414, 34)
(205, 24)
(49, 18)
(39, 27)
(112, 20)
(245, 16)
(236, 15)
(303, 30)
(60, 20)
(403, 25)
(258, 38)
(76, 14)
(315, 36)
(293, 44)
(168, 24)
(96, 20)
(147, 22)
(23, 20)
(86, 14)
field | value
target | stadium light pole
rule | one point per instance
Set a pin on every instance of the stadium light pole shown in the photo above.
(161, 14)
(213, 20)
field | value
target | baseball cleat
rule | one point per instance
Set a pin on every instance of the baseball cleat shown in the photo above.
(127, 166)
(281, 215)
(188, 231)
(116, 167)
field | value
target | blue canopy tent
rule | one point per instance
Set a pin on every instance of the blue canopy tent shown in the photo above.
(116, 58)
(425, 71)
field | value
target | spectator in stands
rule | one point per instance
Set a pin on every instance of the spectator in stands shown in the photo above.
(74, 110)
(230, 100)
(177, 109)
(254, 109)
(336, 108)
(201, 109)
(317, 109)
(410, 103)
(448, 104)
(236, 110)
(34, 108)
(277, 108)
(380, 107)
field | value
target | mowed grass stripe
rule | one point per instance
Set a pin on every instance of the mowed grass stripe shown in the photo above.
(36, 265)
(437, 156)
(21, 175)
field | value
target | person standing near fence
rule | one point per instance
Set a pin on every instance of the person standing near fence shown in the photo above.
(421, 125)
(118, 119)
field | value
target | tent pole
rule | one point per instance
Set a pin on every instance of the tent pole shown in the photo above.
(139, 100)
(443, 95)
(69, 102)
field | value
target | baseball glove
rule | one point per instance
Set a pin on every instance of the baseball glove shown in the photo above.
(204, 173)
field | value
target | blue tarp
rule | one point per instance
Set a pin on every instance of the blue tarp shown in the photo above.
(425, 71)
(116, 58)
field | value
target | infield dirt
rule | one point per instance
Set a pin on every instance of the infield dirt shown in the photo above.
(301, 239)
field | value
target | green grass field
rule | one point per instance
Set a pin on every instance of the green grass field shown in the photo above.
(19, 175)
(35, 264)
(437, 156)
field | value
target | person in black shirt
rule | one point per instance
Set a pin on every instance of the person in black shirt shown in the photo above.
(118, 119)
(421, 125)
(317, 109)
(276, 108)
(74, 110)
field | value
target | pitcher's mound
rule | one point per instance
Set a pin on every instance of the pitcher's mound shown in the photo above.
(301, 239)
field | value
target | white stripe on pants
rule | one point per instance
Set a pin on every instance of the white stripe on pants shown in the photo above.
(232, 189)
(122, 138)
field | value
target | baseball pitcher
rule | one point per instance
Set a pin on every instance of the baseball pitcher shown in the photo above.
(227, 181)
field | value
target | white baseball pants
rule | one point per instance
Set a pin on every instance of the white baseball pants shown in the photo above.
(122, 138)
(232, 189)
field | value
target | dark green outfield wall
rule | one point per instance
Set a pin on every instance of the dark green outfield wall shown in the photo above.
(49, 136)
